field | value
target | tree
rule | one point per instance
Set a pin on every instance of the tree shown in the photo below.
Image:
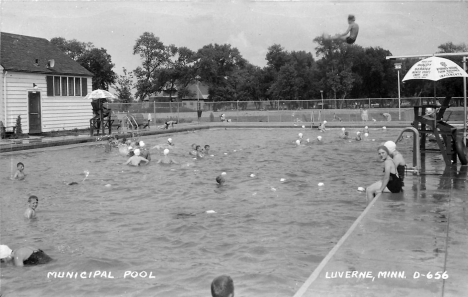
(72, 48)
(154, 55)
(287, 85)
(124, 86)
(97, 61)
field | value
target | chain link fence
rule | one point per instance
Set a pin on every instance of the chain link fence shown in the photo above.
(347, 110)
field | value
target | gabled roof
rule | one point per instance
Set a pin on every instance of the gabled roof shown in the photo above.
(19, 53)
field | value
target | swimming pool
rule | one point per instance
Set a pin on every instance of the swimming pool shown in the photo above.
(266, 234)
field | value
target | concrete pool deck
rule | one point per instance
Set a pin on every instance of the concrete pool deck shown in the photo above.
(401, 243)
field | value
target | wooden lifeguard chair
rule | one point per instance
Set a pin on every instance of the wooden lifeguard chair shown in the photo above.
(445, 134)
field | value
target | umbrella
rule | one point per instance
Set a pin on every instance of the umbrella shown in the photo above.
(434, 68)
(100, 94)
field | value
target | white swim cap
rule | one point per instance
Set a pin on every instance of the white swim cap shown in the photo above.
(298, 142)
(142, 143)
(166, 151)
(366, 134)
(342, 129)
(366, 127)
(300, 135)
(358, 132)
(391, 146)
(324, 122)
(130, 148)
(319, 137)
(5, 251)
(169, 140)
(136, 152)
(384, 127)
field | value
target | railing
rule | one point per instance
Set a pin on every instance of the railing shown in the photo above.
(278, 111)
(416, 148)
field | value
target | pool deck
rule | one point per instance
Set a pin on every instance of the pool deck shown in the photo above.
(418, 236)
(35, 142)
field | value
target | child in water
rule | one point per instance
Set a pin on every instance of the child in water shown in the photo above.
(166, 160)
(353, 30)
(136, 159)
(19, 174)
(30, 213)
(23, 256)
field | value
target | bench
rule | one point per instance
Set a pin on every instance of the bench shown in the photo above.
(138, 121)
(5, 131)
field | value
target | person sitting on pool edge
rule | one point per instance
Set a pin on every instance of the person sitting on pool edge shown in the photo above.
(136, 159)
(24, 256)
(398, 160)
(390, 181)
(166, 160)
(30, 213)
(19, 174)
(222, 286)
(321, 127)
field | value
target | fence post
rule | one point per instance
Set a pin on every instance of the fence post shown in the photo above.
(154, 110)
(178, 112)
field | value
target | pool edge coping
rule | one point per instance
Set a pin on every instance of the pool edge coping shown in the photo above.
(306, 285)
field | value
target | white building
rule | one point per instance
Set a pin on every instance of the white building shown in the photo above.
(42, 85)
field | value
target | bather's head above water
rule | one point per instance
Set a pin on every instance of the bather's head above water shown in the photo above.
(166, 152)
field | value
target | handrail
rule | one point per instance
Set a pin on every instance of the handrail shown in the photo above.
(416, 147)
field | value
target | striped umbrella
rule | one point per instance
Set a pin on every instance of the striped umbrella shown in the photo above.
(100, 94)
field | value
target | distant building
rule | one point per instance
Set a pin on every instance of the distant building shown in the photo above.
(42, 85)
(165, 95)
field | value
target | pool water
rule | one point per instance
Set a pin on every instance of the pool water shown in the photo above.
(266, 234)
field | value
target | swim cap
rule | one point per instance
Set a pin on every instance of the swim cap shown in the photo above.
(300, 135)
(366, 134)
(366, 127)
(142, 143)
(298, 142)
(391, 146)
(5, 251)
(136, 152)
(358, 132)
(130, 148)
(324, 122)
(342, 129)
(319, 137)
(166, 151)
(169, 140)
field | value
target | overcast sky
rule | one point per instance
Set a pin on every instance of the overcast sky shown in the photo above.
(252, 26)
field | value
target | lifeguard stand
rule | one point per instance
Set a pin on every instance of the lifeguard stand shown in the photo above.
(102, 117)
(449, 139)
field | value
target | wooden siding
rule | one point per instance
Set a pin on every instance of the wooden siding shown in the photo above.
(57, 112)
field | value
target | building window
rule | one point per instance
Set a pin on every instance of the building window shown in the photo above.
(64, 86)
(57, 85)
(71, 86)
(77, 86)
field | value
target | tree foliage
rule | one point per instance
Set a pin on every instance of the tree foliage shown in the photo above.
(124, 86)
(97, 61)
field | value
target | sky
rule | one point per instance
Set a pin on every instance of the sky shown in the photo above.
(402, 27)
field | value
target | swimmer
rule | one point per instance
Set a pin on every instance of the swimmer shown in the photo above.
(123, 149)
(321, 127)
(222, 286)
(24, 256)
(166, 160)
(319, 140)
(144, 152)
(358, 136)
(366, 129)
(222, 117)
(131, 152)
(353, 30)
(19, 174)
(169, 144)
(220, 180)
(30, 213)
(344, 135)
(200, 152)
(136, 159)
(398, 160)
(170, 123)
(390, 182)
(207, 149)
(300, 135)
